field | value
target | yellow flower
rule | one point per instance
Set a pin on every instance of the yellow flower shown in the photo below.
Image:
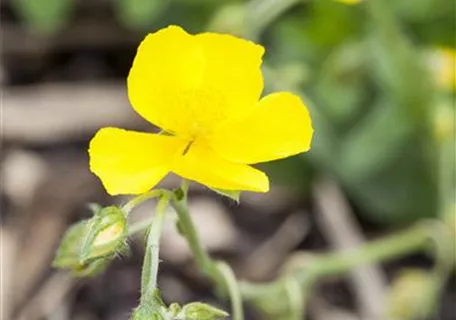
(203, 91)
(443, 65)
(349, 2)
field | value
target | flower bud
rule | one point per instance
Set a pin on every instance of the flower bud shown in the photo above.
(202, 311)
(146, 312)
(174, 310)
(412, 296)
(106, 236)
(68, 254)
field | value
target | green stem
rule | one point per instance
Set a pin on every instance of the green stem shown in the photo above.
(220, 273)
(141, 198)
(295, 298)
(151, 258)
(332, 264)
(186, 226)
(139, 226)
(389, 248)
(233, 289)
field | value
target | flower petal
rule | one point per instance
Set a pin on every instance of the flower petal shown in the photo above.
(279, 127)
(129, 162)
(233, 71)
(202, 165)
(166, 71)
(187, 84)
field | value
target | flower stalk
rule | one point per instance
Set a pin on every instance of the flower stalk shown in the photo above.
(185, 224)
(232, 286)
(151, 259)
(141, 198)
(219, 272)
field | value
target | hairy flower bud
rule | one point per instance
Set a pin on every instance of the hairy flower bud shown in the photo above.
(68, 254)
(106, 236)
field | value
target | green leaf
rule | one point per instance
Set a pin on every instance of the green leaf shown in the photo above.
(232, 194)
(139, 14)
(47, 16)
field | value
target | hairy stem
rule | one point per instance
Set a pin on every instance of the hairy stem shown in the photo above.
(233, 289)
(141, 198)
(219, 272)
(186, 226)
(139, 226)
(151, 258)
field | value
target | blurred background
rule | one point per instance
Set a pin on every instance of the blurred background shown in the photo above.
(378, 78)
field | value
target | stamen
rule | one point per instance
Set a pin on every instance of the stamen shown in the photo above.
(187, 148)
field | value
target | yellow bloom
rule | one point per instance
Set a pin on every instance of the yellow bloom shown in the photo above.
(443, 65)
(349, 2)
(204, 92)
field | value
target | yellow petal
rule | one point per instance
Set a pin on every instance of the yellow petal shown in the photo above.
(278, 127)
(165, 74)
(232, 73)
(187, 84)
(129, 162)
(202, 165)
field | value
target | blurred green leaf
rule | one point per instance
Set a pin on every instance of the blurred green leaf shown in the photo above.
(343, 74)
(375, 141)
(230, 18)
(46, 16)
(139, 14)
